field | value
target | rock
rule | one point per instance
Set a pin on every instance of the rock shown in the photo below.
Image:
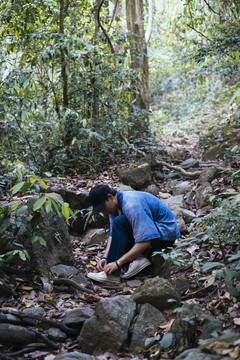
(75, 355)
(35, 310)
(196, 354)
(193, 321)
(208, 175)
(181, 285)
(202, 195)
(203, 211)
(160, 266)
(156, 292)
(122, 187)
(189, 198)
(76, 317)
(80, 224)
(179, 187)
(5, 289)
(218, 151)
(64, 270)
(59, 247)
(189, 163)
(187, 215)
(146, 325)
(160, 175)
(153, 189)
(16, 334)
(94, 236)
(180, 222)
(175, 202)
(77, 200)
(137, 177)
(107, 329)
(56, 334)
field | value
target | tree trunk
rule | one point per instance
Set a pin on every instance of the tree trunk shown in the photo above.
(139, 58)
(63, 61)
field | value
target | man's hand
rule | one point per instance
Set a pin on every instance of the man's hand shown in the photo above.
(109, 268)
(101, 264)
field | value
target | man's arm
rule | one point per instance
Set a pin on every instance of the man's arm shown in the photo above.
(132, 254)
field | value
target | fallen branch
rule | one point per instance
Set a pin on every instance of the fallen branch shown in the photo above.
(42, 319)
(163, 163)
(69, 282)
(28, 349)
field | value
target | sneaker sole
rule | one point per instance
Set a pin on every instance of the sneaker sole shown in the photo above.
(109, 281)
(143, 266)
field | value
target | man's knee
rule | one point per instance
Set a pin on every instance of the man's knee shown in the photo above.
(120, 221)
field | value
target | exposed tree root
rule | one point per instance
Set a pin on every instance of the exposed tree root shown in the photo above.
(162, 163)
(69, 282)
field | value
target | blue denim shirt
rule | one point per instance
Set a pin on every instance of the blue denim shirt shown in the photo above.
(149, 217)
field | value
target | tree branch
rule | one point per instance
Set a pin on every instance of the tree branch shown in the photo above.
(104, 31)
(69, 282)
(210, 8)
(113, 16)
(199, 32)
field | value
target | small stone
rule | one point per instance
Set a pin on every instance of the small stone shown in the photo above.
(64, 270)
(56, 334)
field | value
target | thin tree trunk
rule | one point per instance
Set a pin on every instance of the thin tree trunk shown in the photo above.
(139, 58)
(63, 61)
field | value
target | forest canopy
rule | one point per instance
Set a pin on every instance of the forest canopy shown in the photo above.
(77, 75)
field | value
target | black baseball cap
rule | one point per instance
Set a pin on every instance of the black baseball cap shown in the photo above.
(97, 196)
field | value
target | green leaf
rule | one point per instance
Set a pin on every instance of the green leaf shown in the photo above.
(166, 340)
(65, 210)
(17, 187)
(55, 206)
(200, 78)
(42, 182)
(210, 265)
(40, 240)
(48, 206)
(39, 203)
(22, 255)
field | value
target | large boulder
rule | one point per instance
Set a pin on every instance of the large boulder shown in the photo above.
(157, 292)
(179, 187)
(16, 334)
(146, 325)
(108, 328)
(189, 163)
(137, 177)
(219, 151)
(58, 250)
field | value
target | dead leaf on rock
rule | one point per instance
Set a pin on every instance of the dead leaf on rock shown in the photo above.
(89, 297)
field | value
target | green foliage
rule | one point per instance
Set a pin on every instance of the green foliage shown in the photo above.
(28, 216)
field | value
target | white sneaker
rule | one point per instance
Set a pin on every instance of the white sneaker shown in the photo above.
(135, 267)
(102, 277)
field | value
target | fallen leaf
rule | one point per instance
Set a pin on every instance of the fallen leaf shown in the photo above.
(94, 263)
(89, 297)
(236, 321)
(168, 325)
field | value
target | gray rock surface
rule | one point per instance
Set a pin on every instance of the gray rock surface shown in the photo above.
(35, 310)
(179, 187)
(56, 334)
(153, 189)
(137, 177)
(94, 236)
(196, 354)
(64, 270)
(76, 317)
(192, 322)
(147, 324)
(202, 195)
(189, 163)
(107, 329)
(157, 292)
(59, 247)
(208, 175)
(75, 355)
(175, 202)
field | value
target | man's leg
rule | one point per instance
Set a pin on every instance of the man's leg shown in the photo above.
(122, 238)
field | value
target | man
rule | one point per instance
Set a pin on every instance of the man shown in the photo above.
(139, 223)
